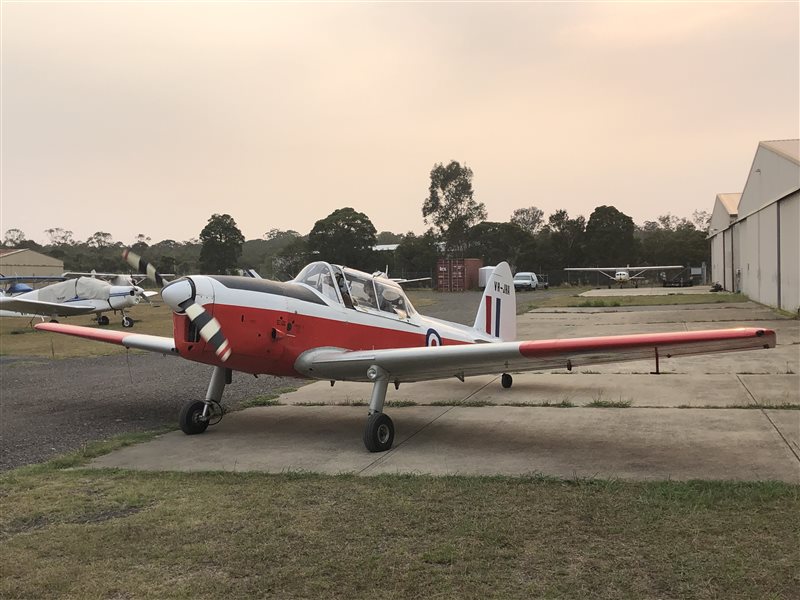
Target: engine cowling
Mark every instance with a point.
(123, 296)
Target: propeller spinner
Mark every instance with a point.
(180, 295)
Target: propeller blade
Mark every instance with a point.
(209, 328)
(142, 266)
(180, 297)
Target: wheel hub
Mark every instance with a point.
(383, 433)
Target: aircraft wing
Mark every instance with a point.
(662, 267)
(138, 341)
(37, 307)
(32, 278)
(595, 269)
(437, 362)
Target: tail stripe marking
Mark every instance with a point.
(497, 319)
(489, 315)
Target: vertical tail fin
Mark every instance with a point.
(497, 313)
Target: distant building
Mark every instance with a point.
(755, 246)
(23, 262)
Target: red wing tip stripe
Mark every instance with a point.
(103, 335)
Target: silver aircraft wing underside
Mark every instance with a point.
(439, 362)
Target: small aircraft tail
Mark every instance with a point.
(497, 313)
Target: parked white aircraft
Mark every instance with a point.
(79, 296)
(622, 275)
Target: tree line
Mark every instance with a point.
(457, 228)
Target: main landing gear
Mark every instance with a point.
(506, 380)
(197, 415)
(127, 322)
(379, 430)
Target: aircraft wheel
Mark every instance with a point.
(506, 380)
(191, 417)
(127, 322)
(54, 320)
(379, 432)
(102, 320)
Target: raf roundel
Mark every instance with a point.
(432, 338)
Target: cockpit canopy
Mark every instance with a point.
(357, 290)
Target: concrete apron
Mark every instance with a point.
(629, 443)
(667, 432)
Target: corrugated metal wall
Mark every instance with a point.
(790, 253)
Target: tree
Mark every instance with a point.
(670, 240)
(530, 219)
(100, 239)
(701, 219)
(450, 207)
(387, 237)
(416, 255)
(59, 236)
(496, 242)
(13, 238)
(345, 237)
(277, 234)
(291, 259)
(221, 244)
(609, 237)
(564, 240)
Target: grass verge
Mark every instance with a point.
(86, 533)
(617, 301)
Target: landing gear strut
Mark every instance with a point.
(197, 415)
(379, 430)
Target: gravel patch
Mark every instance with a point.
(50, 407)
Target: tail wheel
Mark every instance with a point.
(191, 418)
(379, 432)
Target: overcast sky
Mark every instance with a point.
(147, 118)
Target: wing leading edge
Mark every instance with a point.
(437, 362)
(38, 307)
(137, 341)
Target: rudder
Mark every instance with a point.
(497, 313)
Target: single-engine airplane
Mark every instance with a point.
(623, 275)
(79, 296)
(335, 323)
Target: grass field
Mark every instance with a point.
(71, 532)
(18, 338)
(78, 533)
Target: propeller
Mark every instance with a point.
(180, 296)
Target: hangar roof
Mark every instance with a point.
(730, 202)
(7, 251)
(788, 149)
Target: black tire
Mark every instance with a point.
(102, 320)
(190, 418)
(378, 433)
(506, 380)
(127, 322)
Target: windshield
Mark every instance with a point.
(319, 276)
(378, 294)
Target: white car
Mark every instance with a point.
(525, 280)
